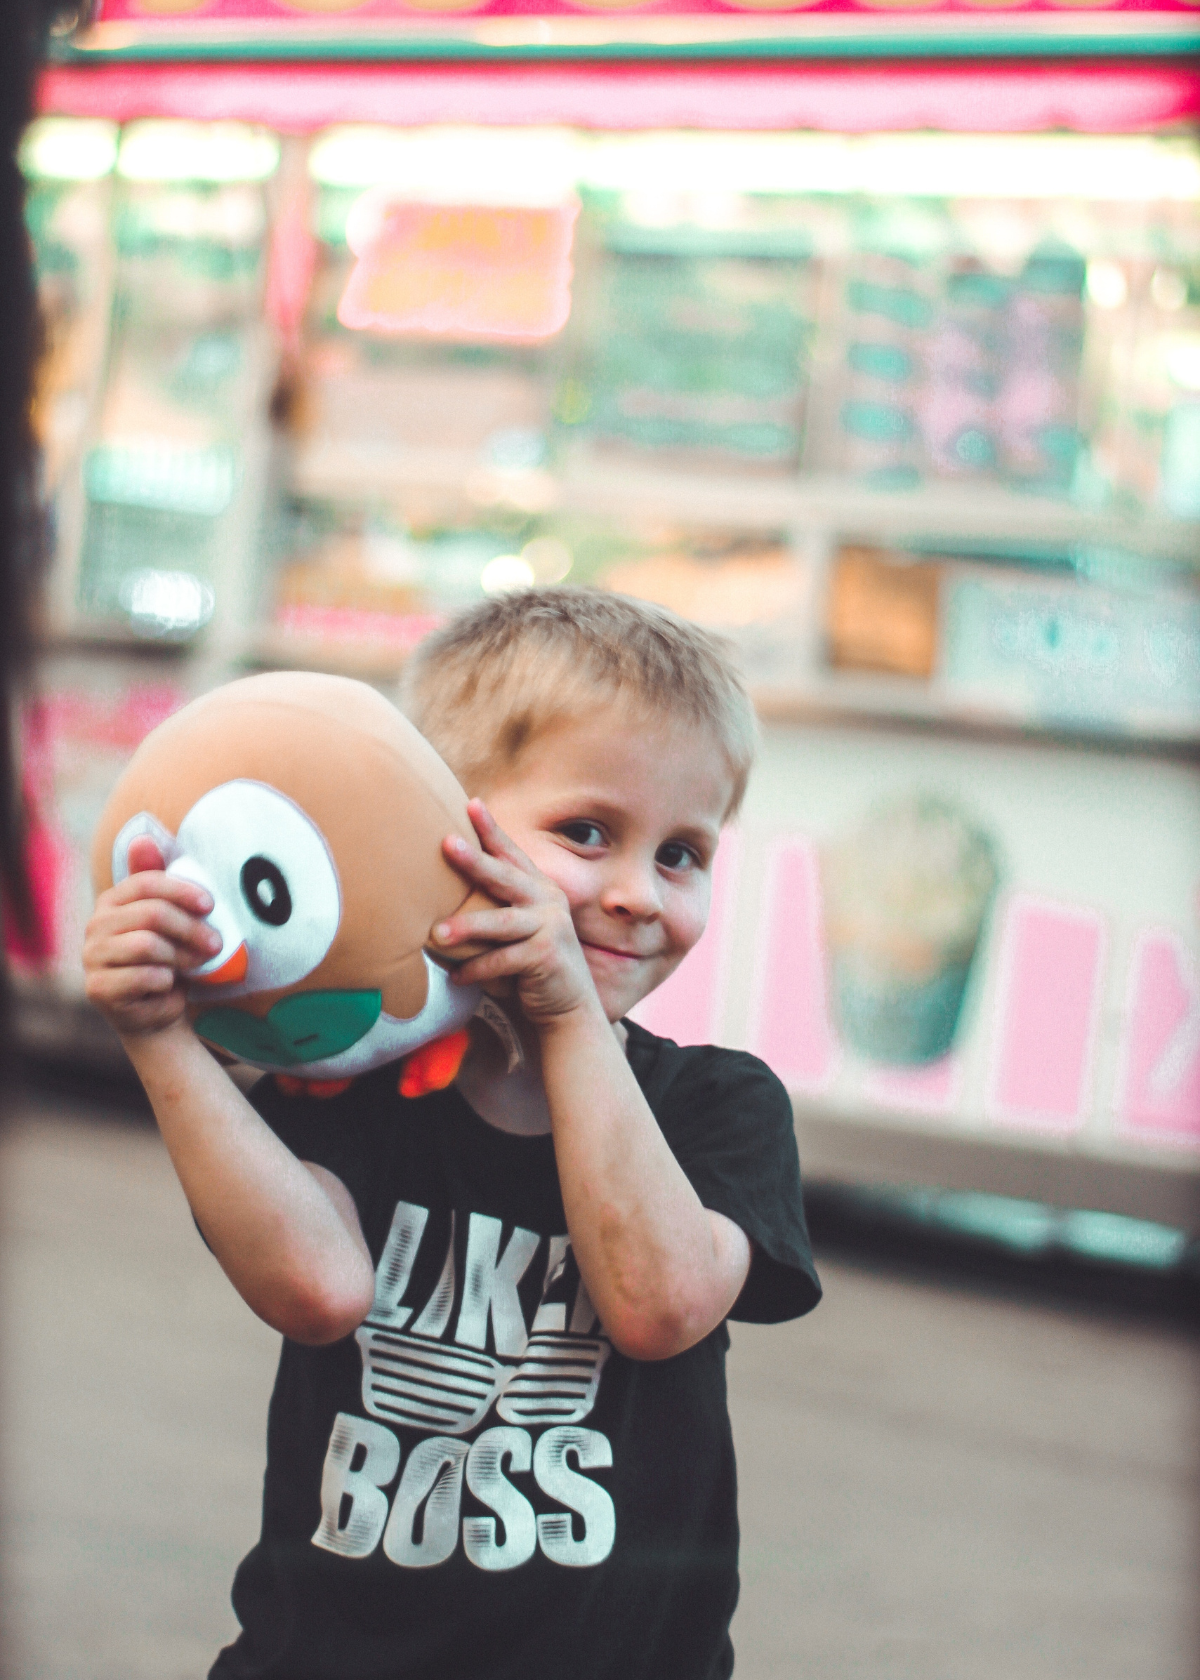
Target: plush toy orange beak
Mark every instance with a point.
(230, 971)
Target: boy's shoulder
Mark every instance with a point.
(664, 1068)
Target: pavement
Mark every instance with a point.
(941, 1478)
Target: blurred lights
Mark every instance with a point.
(1140, 168)
(540, 167)
(192, 151)
(506, 573)
(1106, 285)
(1028, 1228)
(68, 149)
(529, 168)
(549, 559)
(1181, 353)
(168, 604)
(1168, 290)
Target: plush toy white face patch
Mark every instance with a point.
(277, 901)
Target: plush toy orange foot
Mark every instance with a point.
(434, 1065)
(293, 1087)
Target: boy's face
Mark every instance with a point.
(625, 819)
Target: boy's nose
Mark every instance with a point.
(632, 891)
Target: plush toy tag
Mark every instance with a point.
(504, 1030)
(307, 1027)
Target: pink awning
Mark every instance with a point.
(993, 97)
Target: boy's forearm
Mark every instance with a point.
(276, 1230)
(661, 1270)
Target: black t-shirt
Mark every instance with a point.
(477, 1485)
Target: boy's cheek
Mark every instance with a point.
(688, 918)
(570, 874)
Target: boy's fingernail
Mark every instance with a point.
(442, 932)
(205, 903)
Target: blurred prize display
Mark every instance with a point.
(911, 418)
(906, 893)
(159, 525)
(79, 731)
(667, 355)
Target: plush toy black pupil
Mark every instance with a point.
(266, 891)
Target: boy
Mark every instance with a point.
(498, 1444)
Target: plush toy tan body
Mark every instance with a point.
(313, 812)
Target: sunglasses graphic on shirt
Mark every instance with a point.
(424, 1384)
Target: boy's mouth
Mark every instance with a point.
(612, 951)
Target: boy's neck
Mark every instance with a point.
(510, 1101)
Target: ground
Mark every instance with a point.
(941, 1478)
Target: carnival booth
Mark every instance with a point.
(868, 335)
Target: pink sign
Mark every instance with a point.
(459, 271)
(687, 1007)
(1051, 965)
(790, 1027)
(1158, 1086)
(931, 1089)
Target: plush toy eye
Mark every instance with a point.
(270, 871)
(266, 891)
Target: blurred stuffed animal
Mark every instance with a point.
(313, 812)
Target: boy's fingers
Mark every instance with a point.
(161, 916)
(506, 961)
(496, 875)
(493, 838)
(133, 950)
(144, 854)
(501, 926)
(124, 986)
(156, 883)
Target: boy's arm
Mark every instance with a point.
(285, 1233)
(661, 1269)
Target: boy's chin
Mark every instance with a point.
(619, 994)
(617, 1001)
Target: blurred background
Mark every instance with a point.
(867, 334)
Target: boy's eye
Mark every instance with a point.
(675, 855)
(582, 833)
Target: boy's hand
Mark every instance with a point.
(144, 935)
(532, 936)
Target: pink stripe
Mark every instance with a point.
(1051, 963)
(687, 1007)
(284, 13)
(932, 1089)
(791, 1030)
(1113, 97)
(1158, 1086)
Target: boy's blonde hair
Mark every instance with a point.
(500, 674)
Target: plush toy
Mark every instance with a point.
(313, 812)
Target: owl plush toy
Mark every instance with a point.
(313, 813)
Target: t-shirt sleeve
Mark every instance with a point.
(313, 1128)
(729, 1123)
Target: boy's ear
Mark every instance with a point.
(449, 956)
(139, 826)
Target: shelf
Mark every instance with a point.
(969, 513)
(1162, 1185)
(906, 703)
(605, 486)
